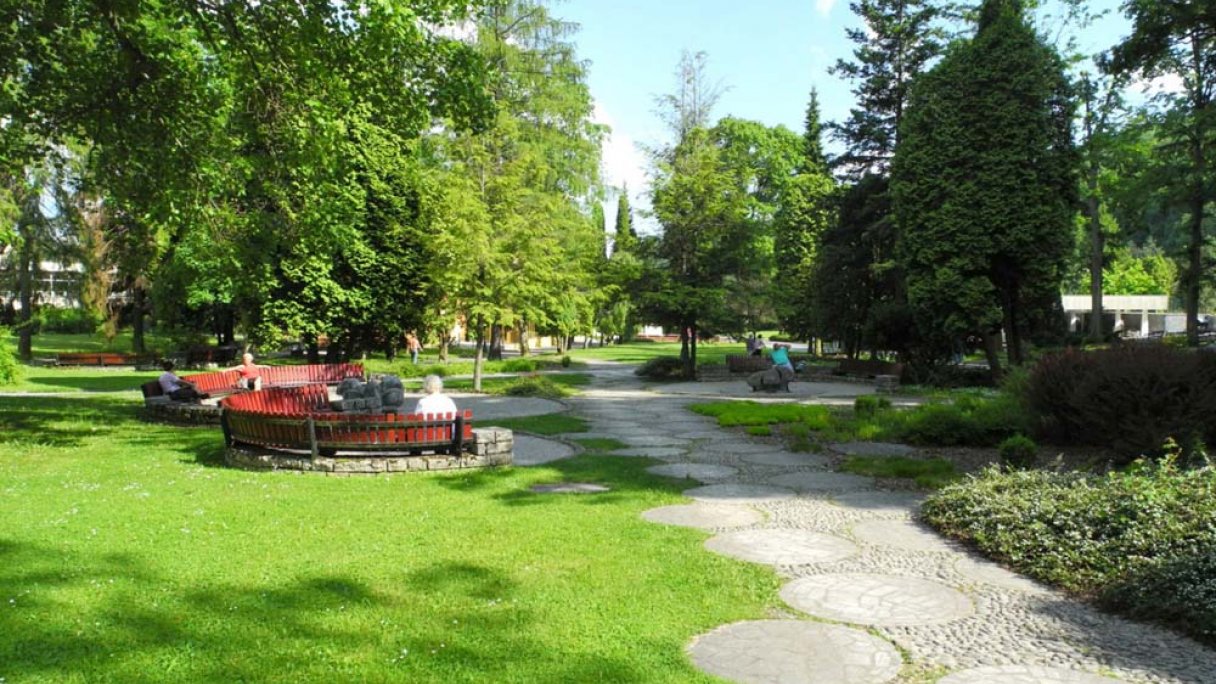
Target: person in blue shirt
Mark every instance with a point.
(781, 356)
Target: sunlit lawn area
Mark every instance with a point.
(49, 344)
(128, 555)
(640, 352)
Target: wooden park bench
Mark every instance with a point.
(297, 418)
(220, 383)
(101, 359)
(742, 363)
(868, 368)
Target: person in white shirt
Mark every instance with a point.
(176, 388)
(433, 401)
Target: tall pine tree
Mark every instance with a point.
(898, 42)
(625, 240)
(985, 186)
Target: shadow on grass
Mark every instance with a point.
(625, 476)
(61, 421)
(116, 381)
(139, 626)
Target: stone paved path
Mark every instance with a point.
(853, 555)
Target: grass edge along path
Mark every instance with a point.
(128, 555)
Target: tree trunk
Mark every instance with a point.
(1013, 339)
(693, 351)
(1097, 244)
(443, 348)
(314, 349)
(495, 342)
(25, 293)
(478, 358)
(1194, 276)
(992, 350)
(138, 343)
(524, 350)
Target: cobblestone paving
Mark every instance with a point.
(989, 626)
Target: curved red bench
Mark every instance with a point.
(225, 382)
(299, 418)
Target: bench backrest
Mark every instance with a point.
(152, 389)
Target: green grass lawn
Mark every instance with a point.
(48, 344)
(128, 555)
(548, 424)
(733, 413)
(641, 352)
(931, 473)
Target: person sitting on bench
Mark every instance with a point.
(251, 374)
(175, 388)
(434, 402)
(780, 356)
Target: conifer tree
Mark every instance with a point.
(625, 239)
(985, 187)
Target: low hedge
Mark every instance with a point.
(1142, 541)
(10, 369)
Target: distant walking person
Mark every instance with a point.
(414, 347)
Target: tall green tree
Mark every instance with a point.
(1178, 38)
(897, 43)
(807, 210)
(625, 239)
(985, 186)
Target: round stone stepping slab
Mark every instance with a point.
(991, 573)
(650, 452)
(872, 449)
(902, 534)
(794, 652)
(701, 472)
(569, 488)
(1023, 674)
(782, 546)
(822, 482)
(705, 516)
(739, 493)
(880, 502)
(530, 451)
(877, 600)
(785, 458)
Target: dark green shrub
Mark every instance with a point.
(566, 361)
(1139, 540)
(662, 368)
(535, 386)
(1130, 398)
(1019, 452)
(71, 321)
(968, 421)
(10, 369)
(868, 405)
(519, 366)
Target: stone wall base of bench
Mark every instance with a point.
(491, 447)
(181, 413)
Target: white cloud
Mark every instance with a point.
(623, 164)
(824, 6)
(1167, 83)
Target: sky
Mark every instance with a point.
(767, 54)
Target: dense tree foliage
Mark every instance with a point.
(985, 187)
